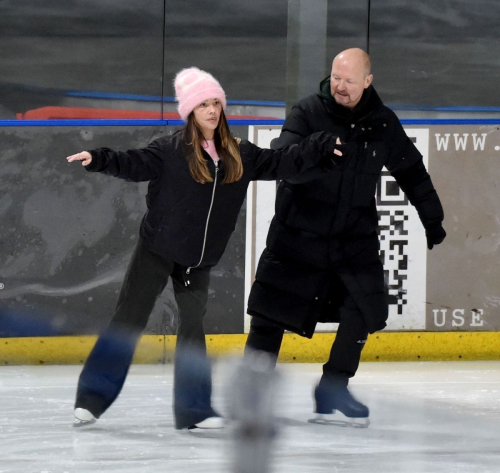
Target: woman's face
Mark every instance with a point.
(207, 116)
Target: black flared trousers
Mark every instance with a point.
(346, 349)
(107, 366)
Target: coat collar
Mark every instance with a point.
(370, 102)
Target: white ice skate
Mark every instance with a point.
(210, 423)
(83, 418)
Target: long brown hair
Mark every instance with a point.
(227, 148)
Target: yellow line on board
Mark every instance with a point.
(152, 349)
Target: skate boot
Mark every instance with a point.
(209, 423)
(83, 418)
(336, 406)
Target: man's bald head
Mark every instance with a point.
(355, 56)
(351, 75)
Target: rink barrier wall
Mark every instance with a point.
(159, 349)
(385, 346)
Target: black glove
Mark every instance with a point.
(334, 160)
(435, 234)
(347, 150)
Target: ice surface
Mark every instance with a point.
(425, 418)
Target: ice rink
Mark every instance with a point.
(425, 418)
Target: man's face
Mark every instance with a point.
(348, 81)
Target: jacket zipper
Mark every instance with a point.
(188, 270)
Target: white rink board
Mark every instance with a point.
(402, 238)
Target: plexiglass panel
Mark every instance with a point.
(347, 27)
(115, 58)
(436, 53)
(242, 43)
(79, 54)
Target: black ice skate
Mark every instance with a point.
(336, 406)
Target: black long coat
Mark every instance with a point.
(188, 222)
(322, 239)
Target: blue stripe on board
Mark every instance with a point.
(262, 103)
(256, 103)
(108, 122)
(156, 98)
(240, 122)
(131, 122)
(113, 96)
(445, 109)
(451, 121)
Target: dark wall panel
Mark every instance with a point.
(436, 53)
(108, 46)
(428, 53)
(67, 236)
(347, 27)
(241, 42)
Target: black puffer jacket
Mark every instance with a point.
(190, 222)
(324, 230)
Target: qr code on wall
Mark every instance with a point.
(403, 248)
(392, 205)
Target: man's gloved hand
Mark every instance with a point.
(435, 235)
(335, 152)
(342, 152)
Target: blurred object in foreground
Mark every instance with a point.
(27, 324)
(252, 402)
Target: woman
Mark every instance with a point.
(198, 180)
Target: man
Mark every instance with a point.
(321, 263)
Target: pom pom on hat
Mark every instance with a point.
(193, 86)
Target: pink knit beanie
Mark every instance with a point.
(193, 86)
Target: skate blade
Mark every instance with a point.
(340, 420)
(206, 433)
(83, 424)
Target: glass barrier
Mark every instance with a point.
(80, 59)
(439, 54)
(117, 59)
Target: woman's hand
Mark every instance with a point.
(85, 157)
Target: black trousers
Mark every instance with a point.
(107, 366)
(346, 349)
